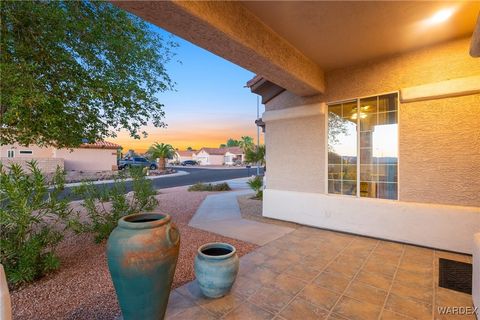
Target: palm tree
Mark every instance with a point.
(246, 143)
(161, 151)
(256, 155)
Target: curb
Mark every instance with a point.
(178, 173)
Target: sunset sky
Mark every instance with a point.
(209, 106)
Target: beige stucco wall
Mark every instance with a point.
(37, 152)
(209, 159)
(88, 159)
(295, 154)
(442, 62)
(46, 165)
(439, 139)
(48, 158)
(216, 160)
(440, 151)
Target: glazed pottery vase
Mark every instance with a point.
(5, 301)
(216, 267)
(142, 254)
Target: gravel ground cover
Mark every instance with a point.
(252, 209)
(82, 288)
(79, 176)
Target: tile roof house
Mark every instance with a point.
(97, 156)
(101, 145)
(182, 155)
(219, 156)
(233, 155)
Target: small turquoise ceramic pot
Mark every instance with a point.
(216, 267)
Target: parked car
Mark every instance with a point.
(136, 162)
(189, 163)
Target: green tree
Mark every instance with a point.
(256, 155)
(337, 126)
(161, 151)
(189, 148)
(246, 143)
(74, 70)
(233, 143)
(223, 145)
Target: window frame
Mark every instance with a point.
(357, 99)
(12, 151)
(25, 152)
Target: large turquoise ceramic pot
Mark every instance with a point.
(142, 254)
(216, 267)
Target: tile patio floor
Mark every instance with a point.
(318, 274)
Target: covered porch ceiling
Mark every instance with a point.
(293, 43)
(336, 34)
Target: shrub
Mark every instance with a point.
(32, 221)
(209, 187)
(256, 185)
(105, 206)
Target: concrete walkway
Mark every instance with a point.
(220, 213)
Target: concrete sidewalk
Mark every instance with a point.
(220, 213)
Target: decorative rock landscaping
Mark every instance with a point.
(82, 288)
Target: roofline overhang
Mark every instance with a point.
(230, 30)
(264, 88)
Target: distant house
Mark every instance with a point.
(219, 156)
(210, 156)
(233, 155)
(98, 156)
(182, 155)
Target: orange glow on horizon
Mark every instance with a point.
(182, 139)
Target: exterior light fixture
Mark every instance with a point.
(363, 115)
(439, 17)
(355, 116)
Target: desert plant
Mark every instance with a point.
(161, 151)
(105, 206)
(209, 187)
(32, 221)
(256, 184)
(143, 191)
(255, 155)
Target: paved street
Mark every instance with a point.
(195, 175)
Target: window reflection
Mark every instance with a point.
(342, 149)
(379, 148)
(377, 119)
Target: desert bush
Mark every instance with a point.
(32, 221)
(106, 205)
(255, 155)
(256, 184)
(209, 187)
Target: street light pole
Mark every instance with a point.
(258, 131)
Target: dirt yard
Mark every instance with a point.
(82, 288)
